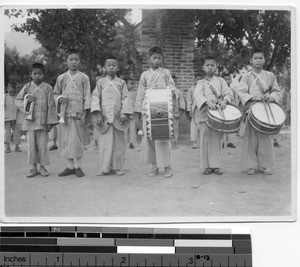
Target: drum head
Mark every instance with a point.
(272, 114)
(230, 113)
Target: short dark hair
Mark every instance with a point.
(12, 84)
(155, 50)
(254, 51)
(209, 57)
(127, 79)
(226, 74)
(72, 51)
(110, 57)
(38, 65)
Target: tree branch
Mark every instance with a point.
(248, 29)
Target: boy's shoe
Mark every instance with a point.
(79, 172)
(18, 149)
(32, 173)
(119, 172)
(131, 146)
(53, 148)
(7, 150)
(175, 146)
(265, 171)
(194, 146)
(153, 172)
(66, 172)
(43, 172)
(218, 171)
(102, 173)
(251, 171)
(231, 145)
(168, 172)
(207, 171)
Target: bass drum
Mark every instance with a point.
(159, 117)
(267, 118)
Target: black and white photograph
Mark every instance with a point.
(148, 114)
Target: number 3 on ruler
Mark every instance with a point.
(191, 260)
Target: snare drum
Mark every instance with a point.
(225, 121)
(267, 118)
(159, 117)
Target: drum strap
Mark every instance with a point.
(213, 88)
(156, 77)
(260, 83)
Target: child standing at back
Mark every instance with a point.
(211, 93)
(42, 120)
(156, 153)
(256, 85)
(11, 126)
(111, 108)
(194, 129)
(179, 107)
(72, 89)
(130, 132)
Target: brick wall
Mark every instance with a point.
(176, 30)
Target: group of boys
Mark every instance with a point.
(112, 107)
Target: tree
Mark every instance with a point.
(94, 32)
(241, 30)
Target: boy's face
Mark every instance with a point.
(257, 60)
(37, 76)
(111, 67)
(210, 67)
(130, 85)
(73, 61)
(227, 79)
(12, 91)
(155, 60)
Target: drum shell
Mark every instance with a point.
(159, 122)
(264, 127)
(159, 117)
(220, 125)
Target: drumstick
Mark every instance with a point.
(221, 112)
(268, 103)
(266, 110)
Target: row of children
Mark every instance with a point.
(111, 108)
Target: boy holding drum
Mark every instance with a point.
(257, 85)
(157, 152)
(211, 93)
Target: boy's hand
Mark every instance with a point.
(191, 114)
(256, 98)
(271, 99)
(223, 104)
(211, 104)
(31, 98)
(63, 100)
(123, 118)
(139, 115)
(83, 117)
(49, 127)
(97, 119)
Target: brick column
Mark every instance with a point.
(178, 42)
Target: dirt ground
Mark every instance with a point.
(188, 193)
